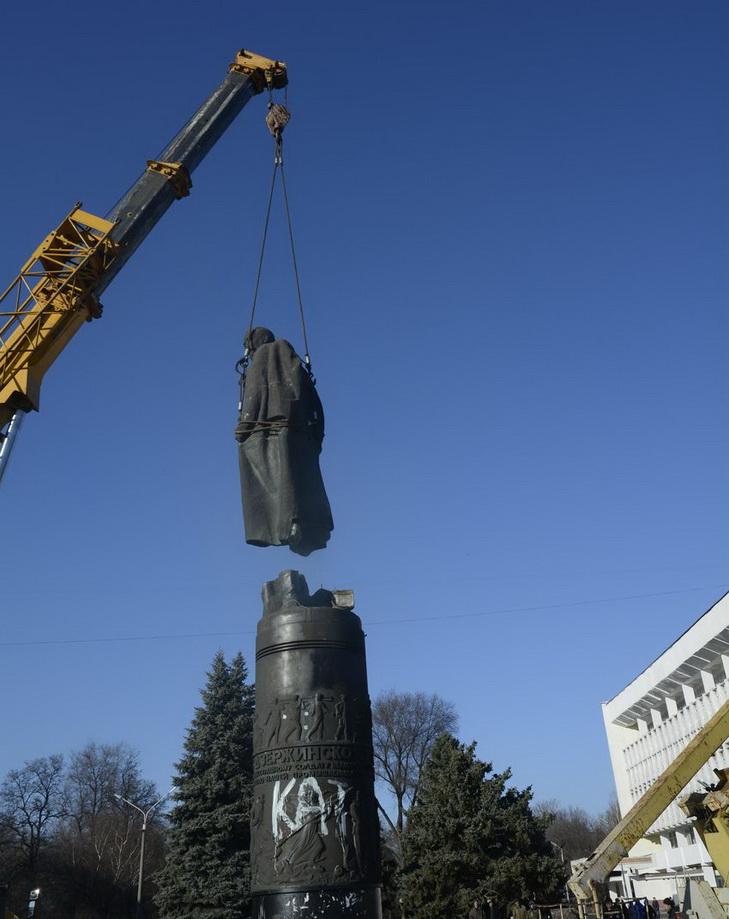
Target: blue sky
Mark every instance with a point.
(511, 224)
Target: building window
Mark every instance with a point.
(672, 839)
(690, 836)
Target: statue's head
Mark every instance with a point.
(257, 337)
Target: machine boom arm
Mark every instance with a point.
(58, 289)
(649, 808)
(167, 179)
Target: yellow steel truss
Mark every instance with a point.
(46, 304)
(711, 810)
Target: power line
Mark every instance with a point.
(531, 609)
(473, 615)
(207, 587)
(87, 641)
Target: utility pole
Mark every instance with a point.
(145, 816)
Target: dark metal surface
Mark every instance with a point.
(280, 435)
(152, 194)
(314, 827)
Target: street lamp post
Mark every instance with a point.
(145, 815)
(561, 855)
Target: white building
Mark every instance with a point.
(648, 723)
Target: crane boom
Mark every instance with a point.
(58, 288)
(649, 808)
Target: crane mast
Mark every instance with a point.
(58, 288)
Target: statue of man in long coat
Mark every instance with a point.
(279, 436)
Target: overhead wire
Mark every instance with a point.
(403, 620)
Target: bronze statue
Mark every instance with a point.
(280, 434)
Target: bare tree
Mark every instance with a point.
(574, 832)
(31, 803)
(404, 727)
(611, 816)
(63, 828)
(99, 843)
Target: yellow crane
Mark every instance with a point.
(711, 812)
(58, 289)
(587, 879)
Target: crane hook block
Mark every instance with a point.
(265, 73)
(277, 118)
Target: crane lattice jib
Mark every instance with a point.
(52, 296)
(58, 289)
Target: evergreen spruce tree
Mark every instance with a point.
(469, 837)
(207, 872)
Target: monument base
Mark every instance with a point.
(315, 850)
(329, 903)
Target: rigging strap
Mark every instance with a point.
(276, 119)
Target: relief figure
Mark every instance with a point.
(299, 840)
(340, 713)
